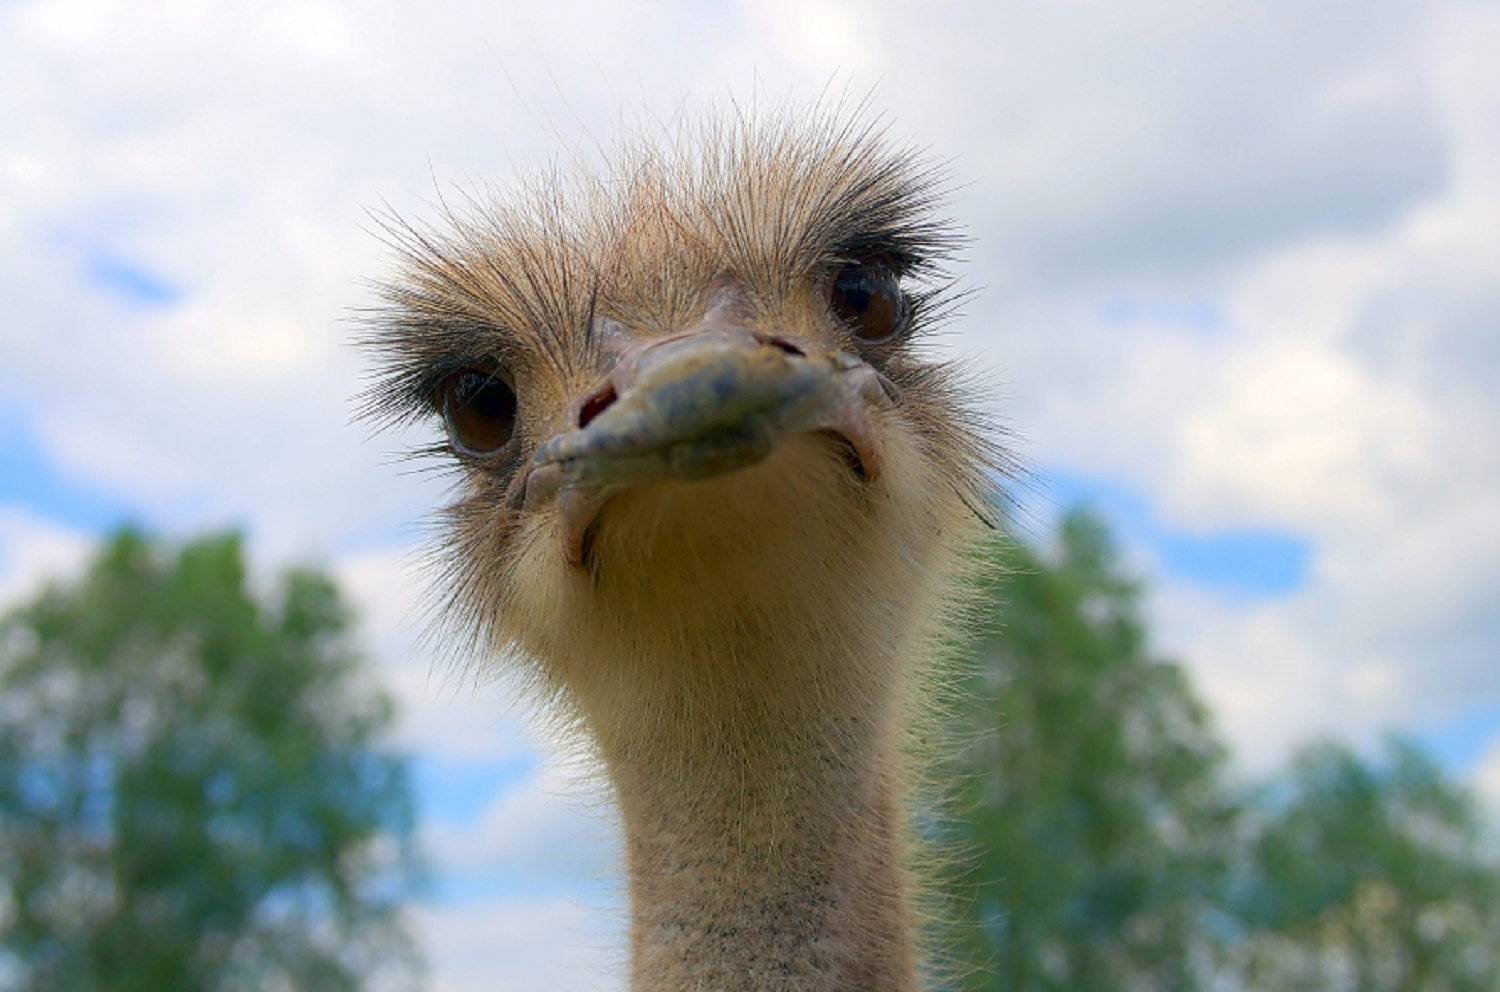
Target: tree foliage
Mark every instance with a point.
(1375, 877)
(1112, 851)
(1093, 792)
(191, 792)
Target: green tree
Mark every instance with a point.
(1371, 877)
(1092, 793)
(192, 796)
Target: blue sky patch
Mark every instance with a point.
(458, 792)
(29, 478)
(474, 888)
(1200, 315)
(1258, 562)
(1241, 562)
(130, 281)
(1460, 744)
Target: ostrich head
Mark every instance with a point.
(712, 499)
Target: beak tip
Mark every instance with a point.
(704, 407)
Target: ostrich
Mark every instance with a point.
(713, 504)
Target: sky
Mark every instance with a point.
(1237, 284)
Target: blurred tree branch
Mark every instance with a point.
(1112, 852)
(192, 793)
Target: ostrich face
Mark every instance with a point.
(687, 397)
(717, 396)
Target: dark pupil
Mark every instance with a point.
(480, 410)
(867, 297)
(856, 292)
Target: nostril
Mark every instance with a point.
(595, 405)
(784, 345)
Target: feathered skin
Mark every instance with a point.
(714, 501)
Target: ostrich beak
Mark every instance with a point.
(699, 405)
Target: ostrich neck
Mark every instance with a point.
(763, 821)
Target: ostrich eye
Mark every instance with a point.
(867, 297)
(479, 409)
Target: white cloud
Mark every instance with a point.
(1348, 392)
(448, 709)
(320, 30)
(556, 944)
(820, 38)
(1147, 139)
(1487, 779)
(548, 829)
(33, 550)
